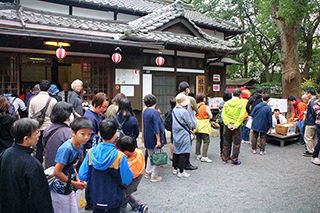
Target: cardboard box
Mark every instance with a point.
(286, 128)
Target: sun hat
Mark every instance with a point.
(53, 89)
(182, 99)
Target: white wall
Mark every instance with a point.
(45, 6)
(77, 11)
(126, 18)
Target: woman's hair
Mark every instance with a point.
(22, 128)
(116, 99)
(173, 102)
(60, 112)
(80, 123)
(265, 97)
(4, 105)
(107, 129)
(126, 143)
(99, 98)
(150, 100)
(200, 97)
(75, 82)
(125, 108)
(227, 95)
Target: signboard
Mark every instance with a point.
(216, 87)
(214, 103)
(216, 77)
(127, 90)
(200, 84)
(280, 104)
(128, 76)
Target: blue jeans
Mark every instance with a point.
(317, 148)
(300, 125)
(245, 132)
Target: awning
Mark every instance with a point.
(217, 61)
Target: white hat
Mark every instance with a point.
(182, 99)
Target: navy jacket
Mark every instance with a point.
(95, 119)
(253, 102)
(262, 118)
(130, 127)
(23, 184)
(311, 115)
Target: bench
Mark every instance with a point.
(283, 138)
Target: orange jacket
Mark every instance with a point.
(137, 163)
(202, 111)
(301, 107)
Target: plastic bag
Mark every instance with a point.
(82, 200)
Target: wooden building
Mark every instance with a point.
(142, 29)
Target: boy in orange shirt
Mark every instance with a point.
(136, 162)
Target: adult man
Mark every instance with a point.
(254, 100)
(233, 114)
(310, 135)
(37, 103)
(64, 94)
(298, 113)
(316, 107)
(192, 108)
(23, 185)
(277, 118)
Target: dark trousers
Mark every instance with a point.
(206, 140)
(221, 137)
(231, 139)
(317, 148)
(40, 148)
(179, 161)
(116, 210)
(263, 140)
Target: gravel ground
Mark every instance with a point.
(281, 181)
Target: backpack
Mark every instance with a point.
(168, 120)
(120, 132)
(192, 114)
(12, 109)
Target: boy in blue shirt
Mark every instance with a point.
(106, 169)
(68, 154)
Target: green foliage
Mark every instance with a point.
(274, 89)
(309, 84)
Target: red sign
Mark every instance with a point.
(216, 87)
(61, 53)
(116, 57)
(159, 61)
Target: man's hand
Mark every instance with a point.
(79, 184)
(158, 144)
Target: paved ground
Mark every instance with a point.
(281, 181)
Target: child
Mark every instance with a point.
(62, 190)
(106, 169)
(136, 161)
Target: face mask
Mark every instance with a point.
(71, 118)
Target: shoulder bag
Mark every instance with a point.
(40, 116)
(188, 130)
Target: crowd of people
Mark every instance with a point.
(96, 149)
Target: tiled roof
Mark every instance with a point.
(148, 6)
(142, 29)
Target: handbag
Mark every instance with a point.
(158, 158)
(49, 175)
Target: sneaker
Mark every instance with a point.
(307, 154)
(315, 161)
(198, 157)
(224, 162)
(143, 208)
(206, 159)
(155, 179)
(247, 142)
(183, 174)
(147, 175)
(262, 153)
(175, 171)
(254, 151)
(236, 163)
(191, 167)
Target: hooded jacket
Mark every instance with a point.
(262, 118)
(234, 112)
(253, 101)
(299, 107)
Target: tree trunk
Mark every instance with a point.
(291, 79)
(309, 52)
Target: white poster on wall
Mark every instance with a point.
(214, 103)
(128, 76)
(216, 87)
(127, 90)
(280, 104)
(216, 77)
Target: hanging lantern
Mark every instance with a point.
(61, 53)
(116, 57)
(159, 61)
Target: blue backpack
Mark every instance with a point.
(12, 109)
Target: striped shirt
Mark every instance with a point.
(316, 108)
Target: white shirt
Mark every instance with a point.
(282, 119)
(18, 104)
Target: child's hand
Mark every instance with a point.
(79, 184)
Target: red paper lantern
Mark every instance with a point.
(116, 57)
(159, 61)
(61, 53)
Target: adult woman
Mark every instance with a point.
(100, 103)
(125, 117)
(75, 97)
(181, 127)
(203, 130)
(58, 132)
(152, 125)
(6, 121)
(114, 107)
